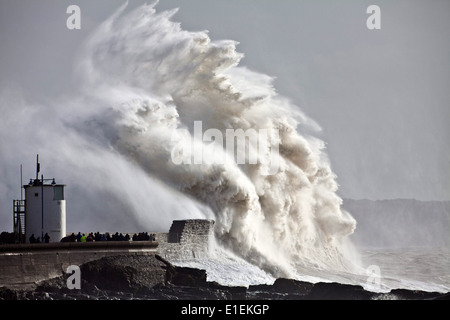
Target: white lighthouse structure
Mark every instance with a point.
(45, 208)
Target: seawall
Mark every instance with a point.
(24, 265)
(186, 240)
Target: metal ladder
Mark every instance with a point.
(19, 220)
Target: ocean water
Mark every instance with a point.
(381, 270)
(417, 268)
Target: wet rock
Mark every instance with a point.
(182, 276)
(292, 286)
(233, 292)
(124, 273)
(338, 291)
(8, 294)
(405, 294)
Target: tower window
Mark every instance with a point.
(58, 193)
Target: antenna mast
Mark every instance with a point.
(38, 167)
(21, 183)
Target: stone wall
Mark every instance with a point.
(25, 265)
(187, 239)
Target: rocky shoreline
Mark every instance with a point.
(133, 277)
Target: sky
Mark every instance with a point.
(380, 96)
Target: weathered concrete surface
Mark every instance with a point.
(24, 265)
(187, 239)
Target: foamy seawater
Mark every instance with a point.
(425, 269)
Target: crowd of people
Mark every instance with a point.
(97, 236)
(33, 239)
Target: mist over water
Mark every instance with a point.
(143, 82)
